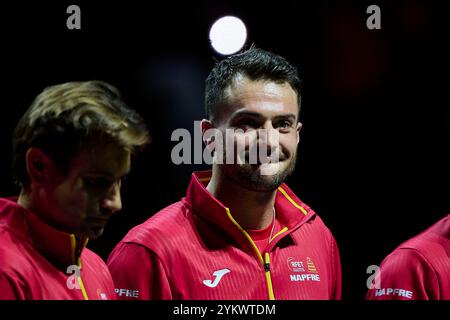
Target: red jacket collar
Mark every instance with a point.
(291, 212)
(60, 248)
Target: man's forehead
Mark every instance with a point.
(262, 107)
(242, 82)
(260, 96)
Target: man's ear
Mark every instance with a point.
(40, 167)
(205, 125)
(299, 128)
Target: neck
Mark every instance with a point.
(251, 209)
(25, 200)
(31, 201)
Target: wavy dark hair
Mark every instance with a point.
(256, 64)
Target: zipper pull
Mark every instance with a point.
(266, 262)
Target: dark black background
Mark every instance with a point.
(374, 147)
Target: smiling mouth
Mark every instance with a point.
(268, 161)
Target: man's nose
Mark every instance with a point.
(269, 136)
(112, 201)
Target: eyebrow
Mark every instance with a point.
(244, 113)
(106, 174)
(289, 116)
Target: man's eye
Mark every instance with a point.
(98, 182)
(285, 124)
(246, 124)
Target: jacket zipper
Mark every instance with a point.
(80, 280)
(268, 276)
(265, 262)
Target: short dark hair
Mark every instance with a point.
(64, 117)
(256, 64)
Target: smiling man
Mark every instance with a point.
(240, 232)
(71, 149)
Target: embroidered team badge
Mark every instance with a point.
(300, 273)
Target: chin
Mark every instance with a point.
(265, 177)
(94, 233)
(253, 179)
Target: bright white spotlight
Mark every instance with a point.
(228, 35)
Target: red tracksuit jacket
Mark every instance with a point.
(194, 249)
(34, 260)
(419, 269)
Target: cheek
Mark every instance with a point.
(289, 143)
(72, 198)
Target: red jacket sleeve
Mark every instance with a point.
(336, 284)
(8, 289)
(138, 273)
(404, 275)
